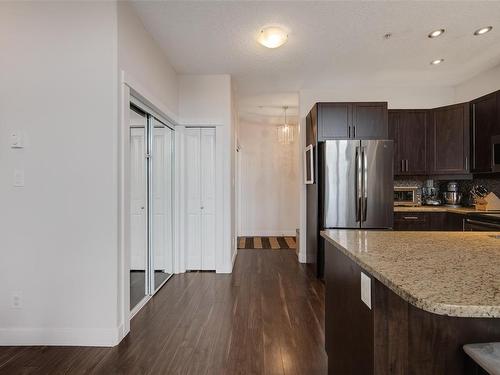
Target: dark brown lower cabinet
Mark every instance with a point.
(428, 221)
(393, 337)
(411, 221)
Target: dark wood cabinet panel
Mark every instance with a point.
(369, 120)
(393, 133)
(449, 140)
(412, 221)
(437, 221)
(413, 145)
(485, 122)
(334, 120)
(348, 120)
(348, 321)
(454, 222)
(408, 129)
(432, 221)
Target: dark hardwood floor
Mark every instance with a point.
(265, 318)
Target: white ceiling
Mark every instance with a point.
(330, 43)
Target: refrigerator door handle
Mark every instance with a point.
(365, 182)
(358, 184)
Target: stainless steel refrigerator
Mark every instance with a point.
(356, 184)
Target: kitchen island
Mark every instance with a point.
(429, 293)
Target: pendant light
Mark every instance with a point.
(285, 131)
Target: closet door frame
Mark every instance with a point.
(152, 119)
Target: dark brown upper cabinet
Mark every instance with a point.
(408, 129)
(449, 140)
(369, 120)
(334, 120)
(352, 120)
(485, 122)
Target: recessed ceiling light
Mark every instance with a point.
(436, 62)
(483, 30)
(272, 37)
(436, 33)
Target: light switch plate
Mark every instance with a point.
(18, 178)
(17, 139)
(366, 290)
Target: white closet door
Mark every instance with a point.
(207, 179)
(138, 200)
(193, 199)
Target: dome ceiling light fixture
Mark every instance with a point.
(272, 37)
(436, 33)
(285, 131)
(437, 61)
(483, 30)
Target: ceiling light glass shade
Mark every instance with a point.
(436, 62)
(436, 33)
(483, 30)
(272, 37)
(285, 134)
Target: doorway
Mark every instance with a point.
(151, 206)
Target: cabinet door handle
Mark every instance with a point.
(474, 136)
(349, 132)
(354, 131)
(410, 217)
(406, 165)
(466, 163)
(402, 165)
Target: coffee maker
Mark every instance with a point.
(452, 196)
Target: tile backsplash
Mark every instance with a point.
(491, 183)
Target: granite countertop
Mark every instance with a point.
(457, 210)
(446, 273)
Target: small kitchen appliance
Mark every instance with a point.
(430, 194)
(406, 196)
(452, 196)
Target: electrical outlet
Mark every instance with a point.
(366, 290)
(17, 300)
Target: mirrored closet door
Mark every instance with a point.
(151, 209)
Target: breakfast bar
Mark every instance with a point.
(407, 302)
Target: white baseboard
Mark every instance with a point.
(269, 233)
(60, 337)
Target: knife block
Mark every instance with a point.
(488, 203)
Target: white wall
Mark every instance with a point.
(142, 59)
(148, 74)
(59, 232)
(206, 100)
(477, 86)
(269, 201)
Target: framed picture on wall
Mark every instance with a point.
(309, 165)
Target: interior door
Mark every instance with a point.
(378, 183)
(192, 138)
(138, 209)
(207, 189)
(200, 195)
